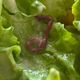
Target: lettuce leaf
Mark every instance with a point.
(9, 55)
(25, 27)
(76, 23)
(0, 6)
(10, 6)
(60, 59)
(30, 7)
(57, 8)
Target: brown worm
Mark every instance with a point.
(37, 44)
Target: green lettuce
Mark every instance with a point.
(10, 6)
(57, 8)
(76, 23)
(30, 7)
(58, 61)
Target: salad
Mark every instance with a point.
(39, 39)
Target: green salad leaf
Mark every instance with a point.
(57, 8)
(22, 21)
(76, 23)
(0, 6)
(10, 6)
(30, 7)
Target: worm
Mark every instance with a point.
(36, 44)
